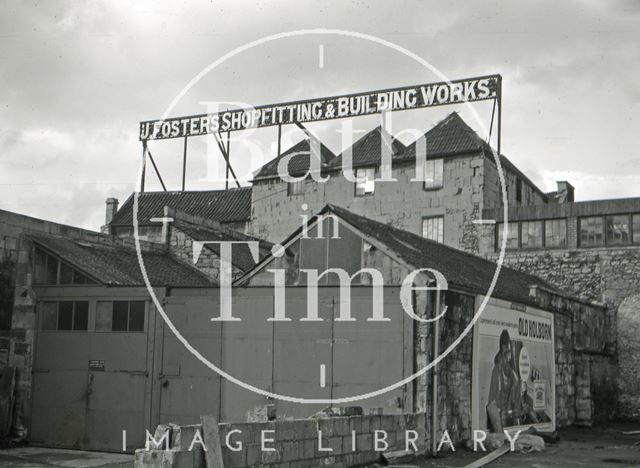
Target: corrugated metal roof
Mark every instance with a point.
(115, 265)
(225, 206)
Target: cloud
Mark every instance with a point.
(77, 77)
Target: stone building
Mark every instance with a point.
(84, 324)
(585, 253)
(461, 179)
(55, 275)
(592, 249)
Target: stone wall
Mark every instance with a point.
(529, 194)
(402, 204)
(454, 372)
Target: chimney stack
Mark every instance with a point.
(565, 192)
(112, 208)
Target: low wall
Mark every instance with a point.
(295, 442)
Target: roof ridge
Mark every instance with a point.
(434, 243)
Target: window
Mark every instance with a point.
(120, 316)
(555, 233)
(512, 236)
(64, 316)
(591, 231)
(636, 228)
(618, 229)
(49, 270)
(433, 228)
(295, 188)
(531, 234)
(365, 184)
(519, 190)
(433, 174)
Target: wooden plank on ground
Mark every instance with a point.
(488, 458)
(211, 437)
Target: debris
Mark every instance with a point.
(629, 432)
(397, 456)
(488, 458)
(527, 443)
(211, 437)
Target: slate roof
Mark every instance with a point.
(461, 269)
(225, 206)
(450, 136)
(298, 164)
(366, 151)
(115, 265)
(241, 255)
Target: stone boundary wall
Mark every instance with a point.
(296, 442)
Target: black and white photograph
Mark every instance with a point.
(319, 233)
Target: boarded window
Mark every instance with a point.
(104, 311)
(512, 235)
(49, 318)
(433, 228)
(555, 233)
(531, 234)
(618, 231)
(591, 231)
(433, 174)
(365, 184)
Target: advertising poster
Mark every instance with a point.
(513, 383)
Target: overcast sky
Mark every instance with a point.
(77, 77)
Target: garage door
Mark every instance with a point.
(91, 380)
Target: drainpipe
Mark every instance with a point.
(434, 384)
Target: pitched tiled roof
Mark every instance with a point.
(241, 255)
(461, 269)
(225, 206)
(367, 150)
(298, 164)
(115, 265)
(450, 136)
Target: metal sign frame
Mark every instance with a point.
(482, 88)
